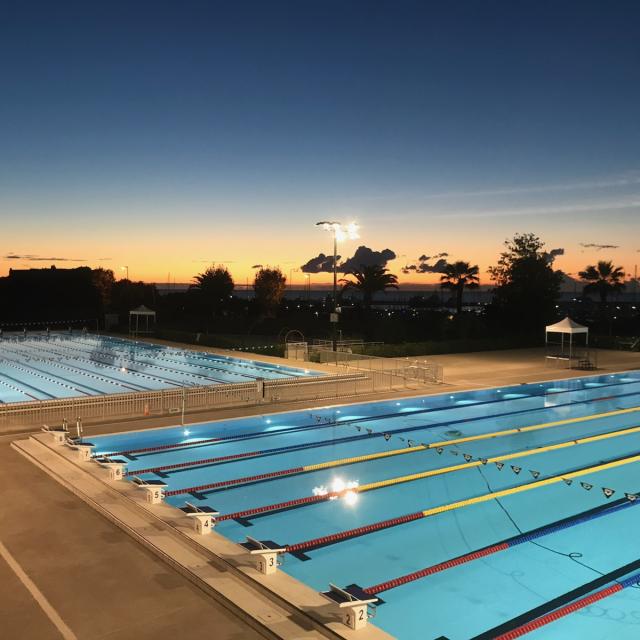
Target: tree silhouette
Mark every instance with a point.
(215, 286)
(527, 285)
(269, 287)
(103, 280)
(457, 277)
(370, 280)
(603, 279)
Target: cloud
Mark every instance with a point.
(363, 257)
(319, 264)
(553, 254)
(424, 264)
(598, 247)
(624, 180)
(29, 257)
(425, 258)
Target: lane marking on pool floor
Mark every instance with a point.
(334, 538)
(372, 486)
(225, 439)
(37, 595)
(565, 604)
(385, 454)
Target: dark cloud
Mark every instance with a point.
(256, 266)
(363, 257)
(425, 264)
(437, 256)
(598, 247)
(438, 266)
(319, 264)
(34, 258)
(553, 254)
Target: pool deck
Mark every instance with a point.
(61, 556)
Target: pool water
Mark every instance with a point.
(465, 601)
(43, 367)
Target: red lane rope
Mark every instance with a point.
(161, 447)
(559, 613)
(351, 533)
(194, 463)
(436, 568)
(280, 505)
(235, 481)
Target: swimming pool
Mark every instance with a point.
(453, 486)
(42, 367)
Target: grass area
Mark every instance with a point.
(432, 347)
(263, 345)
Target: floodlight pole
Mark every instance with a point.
(333, 228)
(334, 318)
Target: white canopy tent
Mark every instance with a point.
(134, 320)
(566, 327)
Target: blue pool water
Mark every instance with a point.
(41, 367)
(465, 601)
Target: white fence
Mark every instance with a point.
(17, 416)
(401, 371)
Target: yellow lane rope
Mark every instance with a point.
(526, 487)
(446, 443)
(509, 456)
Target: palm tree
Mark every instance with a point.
(603, 278)
(457, 277)
(369, 280)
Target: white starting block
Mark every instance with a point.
(116, 467)
(203, 517)
(83, 449)
(266, 552)
(154, 488)
(59, 434)
(353, 602)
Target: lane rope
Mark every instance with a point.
(433, 511)
(380, 484)
(395, 452)
(529, 536)
(240, 437)
(563, 604)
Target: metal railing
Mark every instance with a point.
(178, 402)
(401, 371)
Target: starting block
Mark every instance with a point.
(204, 517)
(267, 553)
(59, 434)
(353, 602)
(116, 467)
(154, 488)
(83, 449)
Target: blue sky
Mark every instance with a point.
(165, 135)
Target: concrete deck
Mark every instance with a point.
(100, 582)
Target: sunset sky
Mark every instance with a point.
(169, 135)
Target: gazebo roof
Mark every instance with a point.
(567, 326)
(142, 311)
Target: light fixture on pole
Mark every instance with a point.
(125, 268)
(340, 233)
